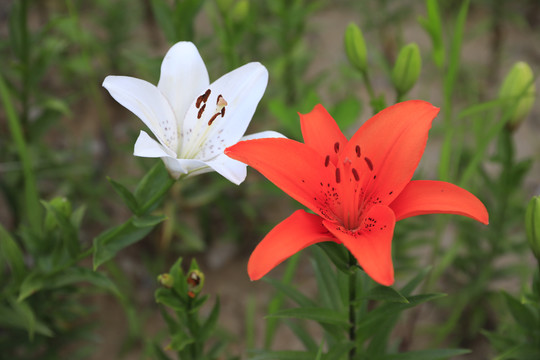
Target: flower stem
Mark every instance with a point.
(352, 306)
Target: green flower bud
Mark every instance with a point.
(532, 225)
(407, 68)
(61, 206)
(166, 280)
(240, 11)
(355, 47)
(518, 90)
(195, 280)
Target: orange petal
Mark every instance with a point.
(294, 167)
(293, 234)
(321, 132)
(391, 144)
(421, 197)
(371, 245)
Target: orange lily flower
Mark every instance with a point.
(357, 188)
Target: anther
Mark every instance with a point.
(338, 176)
(336, 147)
(357, 148)
(222, 111)
(369, 163)
(206, 95)
(327, 160)
(355, 174)
(199, 101)
(213, 118)
(201, 110)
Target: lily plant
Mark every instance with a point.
(193, 120)
(357, 189)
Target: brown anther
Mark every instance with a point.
(369, 163)
(222, 111)
(206, 95)
(327, 160)
(338, 176)
(213, 118)
(336, 147)
(199, 101)
(355, 174)
(357, 149)
(221, 101)
(201, 110)
(191, 294)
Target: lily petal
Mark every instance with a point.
(321, 132)
(145, 146)
(372, 244)
(391, 144)
(188, 167)
(242, 89)
(421, 197)
(148, 103)
(300, 171)
(232, 170)
(183, 78)
(293, 234)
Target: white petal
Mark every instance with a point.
(183, 78)
(145, 146)
(148, 103)
(189, 167)
(233, 170)
(242, 89)
(262, 135)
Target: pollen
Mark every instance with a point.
(338, 176)
(358, 152)
(355, 174)
(336, 147)
(327, 160)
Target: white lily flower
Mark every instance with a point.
(193, 120)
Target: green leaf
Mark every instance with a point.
(426, 354)
(153, 187)
(337, 254)
(169, 299)
(284, 355)
(385, 293)
(302, 334)
(108, 243)
(10, 251)
(291, 292)
(21, 316)
(210, 324)
(337, 351)
(326, 280)
(320, 315)
(522, 313)
(126, 196)
(180, 340)
(37, 281)
(148, 220)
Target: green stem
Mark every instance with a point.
(31, 197)
(158, 195)
(369, 87)
(352, 306)
(25, 61)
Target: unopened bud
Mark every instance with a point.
(407, 68)
(355, 47)
(166, 280)
(61, 206)
(532, 225)
(518, 92)
(240, 11)
(195, 280)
